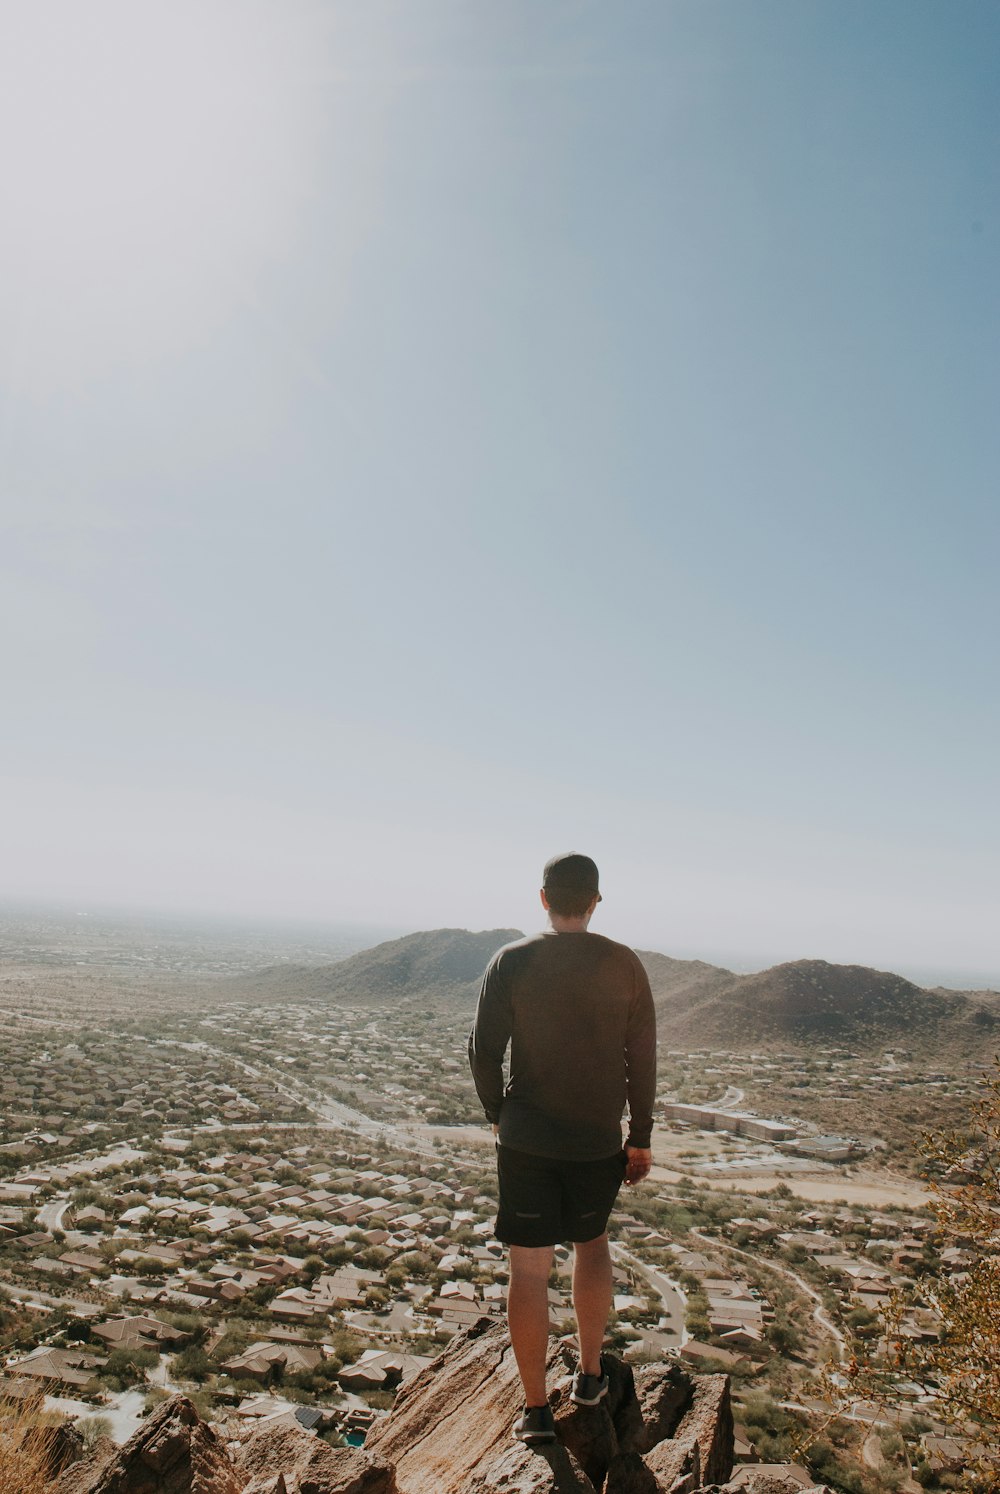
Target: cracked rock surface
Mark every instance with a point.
(662, 1432)
(659, 1431)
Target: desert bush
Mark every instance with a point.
(191, 1364)
(92, 1429)
(129, 1366)
(24, 1441)
(962, 1369)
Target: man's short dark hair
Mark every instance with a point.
(569, 902)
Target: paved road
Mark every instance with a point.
(333, 1112)
(123, 1410)
(820, 1313)
(673, 1299)
(41, 1021)
(50, 1215)
(730, 1099)
(80, 1307)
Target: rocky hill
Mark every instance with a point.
(811, 1001)
(441, 965)
(698, 1004)
(659, 1431)
(680, 980)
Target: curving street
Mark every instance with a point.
(821, 1316)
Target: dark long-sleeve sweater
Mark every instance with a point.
(577, 1012)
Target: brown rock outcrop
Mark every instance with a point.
(63, 1447)
(676, 1465)
(79, 1477)
(450, 1429)
(524, 1470)
(271, 1450)
(173, 1452)
(629, 1474)
(266, 1485)
(708, 1419)
(310, 1466)
(661, 1432)
(663, 1392)
(456, 1414)
(588, 1432)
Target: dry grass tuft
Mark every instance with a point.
(24, 1446)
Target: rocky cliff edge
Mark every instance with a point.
(660, 1430)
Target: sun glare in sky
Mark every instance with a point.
(436, 435)
(155, 163)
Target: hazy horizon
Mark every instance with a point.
(435, 437)
(359, 936)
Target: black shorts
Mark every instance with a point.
(545, 1201)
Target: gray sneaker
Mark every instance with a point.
(535, 1425)
(589, 1389)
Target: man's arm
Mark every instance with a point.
(488, 1040)
(640, 1060)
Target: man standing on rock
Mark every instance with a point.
(577, 1012)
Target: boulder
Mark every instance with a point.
(63, 1447)
(663, 1392)
(275, 1449)
(79, 1477)
(621, 1396)
(450, 1429)
(596, 1434)
(456, 1415)
(549, 1469)
(344, 1470)
(708, 1420)
(624, 1406)
(587, 1431)
(173, 1452)
(660, 1432)
(676, 1465)
(628, 1474)
(311, 1466)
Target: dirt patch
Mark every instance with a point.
(476, 1135)
(874, 1192)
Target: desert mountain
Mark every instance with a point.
(810, 1001)
(444, 965)
(677, 979)
(698, 1005)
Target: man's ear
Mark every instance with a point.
(545, 901)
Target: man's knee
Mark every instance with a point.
(530, 1261)
(593, 1249)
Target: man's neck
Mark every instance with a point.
(560, 925)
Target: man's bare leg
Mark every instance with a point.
(528, 1317)
(591, 1299)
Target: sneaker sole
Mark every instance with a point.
(578, 1400)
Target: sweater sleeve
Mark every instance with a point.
(489, 1038)
(640, 1058)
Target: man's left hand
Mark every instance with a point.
(638, 1161)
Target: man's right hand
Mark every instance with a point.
(638, 1161)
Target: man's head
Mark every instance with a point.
(570, 885)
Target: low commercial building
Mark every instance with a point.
(825, 1148)
(708, 1118)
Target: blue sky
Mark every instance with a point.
(434, 435)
